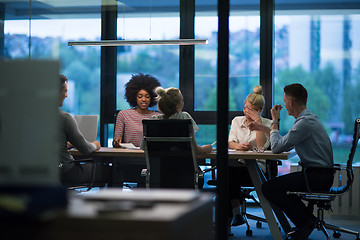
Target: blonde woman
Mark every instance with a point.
(170, 104)
(242, 138)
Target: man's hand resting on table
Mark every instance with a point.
(97, 143)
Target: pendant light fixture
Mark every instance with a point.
(112, 43)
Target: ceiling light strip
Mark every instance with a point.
(112, 43)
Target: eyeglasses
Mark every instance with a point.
(250, 109)
(258, 150)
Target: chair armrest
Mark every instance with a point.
(78, 161)
(81, 160)
(339, 166)
(209, 169)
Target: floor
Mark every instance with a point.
(349, 222)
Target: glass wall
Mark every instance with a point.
(244, 59)
(159, 61)
(47, 39)
(206, 27)
(320, 49)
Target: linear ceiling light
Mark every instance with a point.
(112, 43)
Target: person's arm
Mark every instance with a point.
(260, 136)
(275, 114)
(198, 149)
(239, 146)
(118, 131)
(77, 139)
(254, 126)
(298, 133)
(233, 141)
(202, 149)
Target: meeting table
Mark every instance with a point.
(106, 154)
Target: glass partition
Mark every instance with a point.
(320, 49)
(46, 37)
(244, 59)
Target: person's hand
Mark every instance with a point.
(206, 148)
(275, 112)
(245, 146)
(116, 142)
(98, 146)
(254, 115)
(241, 146)
(69, 145)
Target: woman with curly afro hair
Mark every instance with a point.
(139, 93)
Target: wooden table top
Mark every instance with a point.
(122, 152)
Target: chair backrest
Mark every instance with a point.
(349, 168)
(115, 117)
(170, 153)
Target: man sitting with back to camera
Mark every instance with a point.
(312, 144)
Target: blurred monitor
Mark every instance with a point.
(29, 98)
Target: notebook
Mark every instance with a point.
(88, 126)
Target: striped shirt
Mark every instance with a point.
(129, 126)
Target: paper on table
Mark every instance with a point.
(159, 195)
(128, 146)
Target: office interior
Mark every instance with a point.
(272, 43)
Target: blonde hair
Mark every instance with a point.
(256, 98)
(168, 100)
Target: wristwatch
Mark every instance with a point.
(275, 121)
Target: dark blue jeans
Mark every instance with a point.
(275, 191)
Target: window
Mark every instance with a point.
(321, 51)
(160, 61)
(244, 59)
(49, 41)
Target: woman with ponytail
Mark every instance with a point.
(170, 104)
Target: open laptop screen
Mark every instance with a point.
(88, 126)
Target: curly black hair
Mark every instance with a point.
(138, 82)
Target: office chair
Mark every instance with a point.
(170, 154)
(323, 199)
(98, 177)
(246, 191)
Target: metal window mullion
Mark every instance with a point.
(108, 71)
(266, 53)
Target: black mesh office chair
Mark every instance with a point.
(98, 177)
(323, 199)
(170, 154)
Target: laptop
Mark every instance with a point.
(88, 126)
